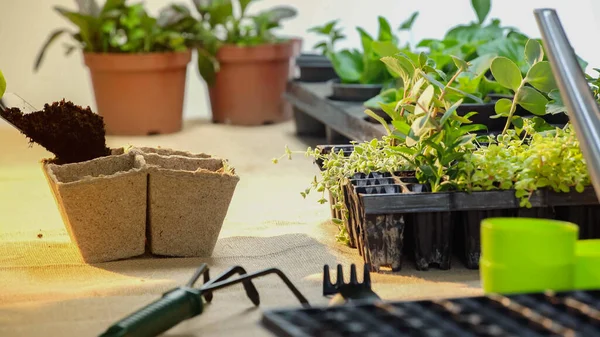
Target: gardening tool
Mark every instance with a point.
(10, 100)
(583, 109)
(186, 302)
(347, 292)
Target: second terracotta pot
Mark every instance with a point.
(250, 84)
(139, 94)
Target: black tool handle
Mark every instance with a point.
(174, 307)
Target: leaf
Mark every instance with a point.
(88, 26)
(111, 5)
(425, 100)
(460, 63)
(401, 126)
(88, 7)
(533, 52)
(220, 11)
(517, 122)
(399, 66)
(555, 105)
(540, 125)
(450, 111)
(384, 48)
(385, 31)
(53, 36)
(408, 23)
(207, 66)
(378, 118)
(472, 127)
(510, 48)
(506, 73)
(366, 40)
(532, 100)
(346, 66)
(482, 9)
(540, 76)
(2, 85)
(243, 5)
(277, 14)
(503, 106)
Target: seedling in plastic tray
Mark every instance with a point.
(186, 302)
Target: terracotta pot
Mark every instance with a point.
(188, 198)
(139, 94)
(103, 204)
(250, 84)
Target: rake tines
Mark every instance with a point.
(340, 286)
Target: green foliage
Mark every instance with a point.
(220, 25)
(530, 92)
(120, 28)
(482, 8)
(330, 33)
(549, 159)
(2, 85)
(365, 66)
(408, 23)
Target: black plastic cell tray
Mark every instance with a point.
(526, 315)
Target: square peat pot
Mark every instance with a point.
(188, 199)
(103, 204)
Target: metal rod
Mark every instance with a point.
(581, 105)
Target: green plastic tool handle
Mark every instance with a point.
(173, 308)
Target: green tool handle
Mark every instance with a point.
(173, 308)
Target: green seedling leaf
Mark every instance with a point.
(517, 122)
(401, 126)
(207, 66)
(503, 106)
(220, 11)
(540, 77)
(424, 100)
(384, 48)
(555, 105)
(482, 9)
(450, 111)
(408, 23)
(346, 66)
(244, 4)
(533, 52)
(398, 66)
(366, 40)
(472, 128)
(532, 100)
(87, 25)
(382, 121)
(385, 31)
(2, 85)
(507, 73)
(460, 63)
(540, 125)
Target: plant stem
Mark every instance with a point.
(513, 107)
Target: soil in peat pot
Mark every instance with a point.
(73, 134)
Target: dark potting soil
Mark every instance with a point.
(73, 134)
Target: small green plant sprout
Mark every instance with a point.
(2, 85)
(529, 91)
(331, 33)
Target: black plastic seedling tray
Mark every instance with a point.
(386, 222)
(525, 315)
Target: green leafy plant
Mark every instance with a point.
(529, 90)
(364, 67)
(330, 33)
(2, 85)
(120, 28)
(222, 23)
(549, 159)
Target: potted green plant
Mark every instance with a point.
(137, 62)
(361, 73)
(245, 65)
(316, 67)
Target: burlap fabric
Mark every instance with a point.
(46, 290)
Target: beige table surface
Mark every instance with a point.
(45, 289)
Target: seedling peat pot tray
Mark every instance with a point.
(437, 225)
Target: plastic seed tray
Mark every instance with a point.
(526, 315)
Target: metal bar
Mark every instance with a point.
(582, 108)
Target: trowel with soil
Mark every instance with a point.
(73, 134)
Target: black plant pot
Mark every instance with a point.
(315, 68)
(354, 92)
(484, 112)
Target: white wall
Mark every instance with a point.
(25, 24)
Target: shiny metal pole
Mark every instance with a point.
(577, 96)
